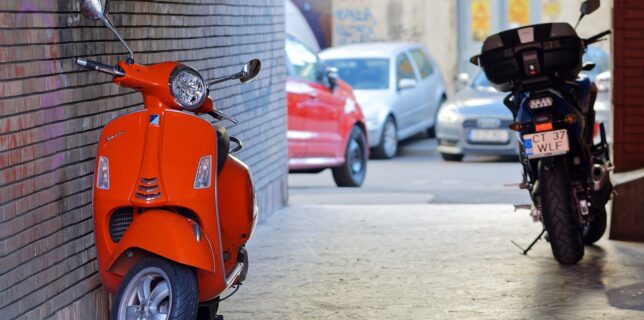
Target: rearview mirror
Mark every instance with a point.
(589, 6)
(94, 9)
(406, 84)
(332, 75)
(250, 70)
(475, 60)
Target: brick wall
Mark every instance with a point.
(627, 220)
(51, 114)
(628, 84)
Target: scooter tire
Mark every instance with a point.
(558, 215)
(183, 294)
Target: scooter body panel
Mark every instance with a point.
(153, 158)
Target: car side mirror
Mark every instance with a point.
(463, 79)
(588, 66)
(332, 75)
(475, 59)
(404, 84)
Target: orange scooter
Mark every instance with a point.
(171, 214)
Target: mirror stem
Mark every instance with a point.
(226, 78)
(109, 25)
(578, 21)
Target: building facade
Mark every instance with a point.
(52, 112)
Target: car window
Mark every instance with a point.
(302, 62)
(363, 73)
(404, 70)
(423, 64)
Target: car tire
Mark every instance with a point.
(452, 157)
(171, 288)
(354, 169)
(431, 131)
(388, 146)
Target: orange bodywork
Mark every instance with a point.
(153, 158)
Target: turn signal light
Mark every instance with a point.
(515, 126)
(570, 119)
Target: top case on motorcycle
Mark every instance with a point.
(556, 46)
(223, 145)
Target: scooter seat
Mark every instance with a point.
(223, 145)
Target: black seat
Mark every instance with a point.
(223, 145)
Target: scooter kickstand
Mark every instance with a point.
(525, 251)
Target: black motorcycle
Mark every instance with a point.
(566, 173)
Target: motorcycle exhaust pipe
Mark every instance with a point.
(600, 176)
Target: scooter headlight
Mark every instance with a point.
(103, 173)
(202, 178)
(187, 87)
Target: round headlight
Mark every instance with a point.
(187, 87)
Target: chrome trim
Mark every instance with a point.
(230, 280)
(148, 197)
(196, 230)
(148, 181)
(148, 189)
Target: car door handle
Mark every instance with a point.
(312, 95)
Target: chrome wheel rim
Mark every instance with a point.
(390, 138)
(148, 296)
(356, 157)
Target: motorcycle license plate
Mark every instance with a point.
(546, 144)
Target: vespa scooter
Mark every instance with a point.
(172, 208)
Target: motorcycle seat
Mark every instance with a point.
(223, 146)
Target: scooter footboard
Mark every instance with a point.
(168, 235)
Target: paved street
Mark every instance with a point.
(425, 239)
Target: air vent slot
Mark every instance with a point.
(148, 189)
(120, 220)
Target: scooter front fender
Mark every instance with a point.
(167, 235)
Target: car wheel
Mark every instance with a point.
(157, 289)
(388, 146)
(431, 131)
(455, 157)
(354, 169)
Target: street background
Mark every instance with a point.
(425, 239)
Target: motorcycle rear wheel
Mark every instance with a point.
(157, 289)
(558, 213)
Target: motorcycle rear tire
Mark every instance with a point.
(596, 228)
(558, 213)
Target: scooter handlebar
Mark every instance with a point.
(101, 67)
(596, 38)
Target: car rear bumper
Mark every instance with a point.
(453, 139)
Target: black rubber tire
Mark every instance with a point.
(558, 215)
(183, 287)
(431, 131)
(595, 229)
(345, 175)
(452, 157)
(380, 152)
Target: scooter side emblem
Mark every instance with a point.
(114, 136)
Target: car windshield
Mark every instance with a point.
(480, 82)
(363, 73)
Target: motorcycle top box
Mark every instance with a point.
(549, 49)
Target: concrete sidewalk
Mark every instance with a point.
(427, 262)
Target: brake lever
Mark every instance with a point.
(221, 116)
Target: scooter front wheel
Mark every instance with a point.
(157, 289)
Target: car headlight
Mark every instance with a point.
(447, 114)
(187, 87)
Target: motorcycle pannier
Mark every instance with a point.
(550, 49)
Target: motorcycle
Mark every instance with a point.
(566, 173)
(173, 209)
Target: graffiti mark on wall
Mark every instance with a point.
(354, 25)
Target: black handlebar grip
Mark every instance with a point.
(94, 65)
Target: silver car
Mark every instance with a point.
(475, 121)
(398, 85)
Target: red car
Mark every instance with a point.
(326, 127)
